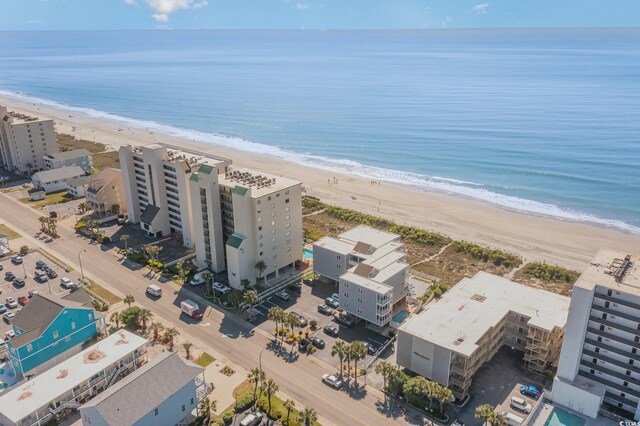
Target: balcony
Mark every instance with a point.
(610, 336)
(618, 301)
(607, 372)
(613, 349)
(613, 325)
(614, 313)
(610, 360)
(608, 383)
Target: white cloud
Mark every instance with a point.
(302, 6)
(164, 8)
(131, 2)
(160, 17)
(481, 8)
(201, 4)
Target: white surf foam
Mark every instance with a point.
(451, 186)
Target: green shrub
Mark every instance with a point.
(130, 316)
(419, 236)
(497, 257)
(546, 272)
(24, 249)
(244, 402)
(227, 418)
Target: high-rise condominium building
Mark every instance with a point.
(599, 366)
(245, 219)
(24, 140)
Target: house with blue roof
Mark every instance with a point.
(51, 328)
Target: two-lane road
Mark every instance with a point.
(299, 379)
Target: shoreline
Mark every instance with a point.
(535, 238)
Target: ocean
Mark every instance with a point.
(544, 121)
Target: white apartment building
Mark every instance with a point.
(599, 368)
(24, 140)
(370, 268)
(77, 157)
(455, 335)
(242, 217)
(156, 186)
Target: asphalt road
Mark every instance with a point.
(299, 379)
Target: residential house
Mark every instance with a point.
(105, 193)
(55, 180)
(77, 157)
(76, 187)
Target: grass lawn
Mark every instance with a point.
(102, 292)
(55, 260)
(106, 159)
(204, 360)
(10, 233)
(50, 199)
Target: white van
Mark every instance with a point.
(197, 279)
(513, 420)
(251, 419)
(520, 404)
(154, 290)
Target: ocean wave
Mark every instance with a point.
(463, 188)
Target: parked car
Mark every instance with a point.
(51, 273)
(282, 295)
(325, 310)
(41, 276)
(304, 345)
(371, 349)
(317, 342)
(154, 290)
(41, 264)
(520, 404)
(344, 319)
(18, 282)
(8, 317)
(457, 422)
(332, 381)
(221, 288)
(336, 297)
(33, 293)
(9, 276)
(530, 391)
(330, 301)
(17, 260)
(9, 334)
(65, 282)
(303, 320)
(331, 330)
(295, 288)
(3, 309)
(197, 279)
(23, 300)
(1, 266)
(11, 302)
(73, 287)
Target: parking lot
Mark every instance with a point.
(495, 383)
(306, 304)
(28, 267)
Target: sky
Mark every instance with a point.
(314, 14)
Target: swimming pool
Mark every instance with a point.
(559, 417)
(308, 254)
(400, 316)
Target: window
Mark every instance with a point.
(191, 401)
(260, 228)
(29, 347)
(55, 334)
(261, 253)
(277, 195)
(87, 419)
(73, 325)
(258, 202)
(155, 411)
(183, 408)
(273, 223)
(269, 198)
(286, 201)
(68, 339)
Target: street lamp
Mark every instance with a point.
(80, 261)
(260, 359)
(75, 211)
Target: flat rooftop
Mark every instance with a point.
(613, 269)
(24, 118)
(368, 235)
(182, 156)
(30, 396)
(468, 310)
(259, 183)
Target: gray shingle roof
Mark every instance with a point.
(145, 389)
(42, 309)
(59, 174)
(149, 214)
(69, 155)
(235, 240)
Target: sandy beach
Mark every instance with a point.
(534, 238)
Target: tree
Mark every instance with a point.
(339, 349)
(261, 267)
(208, 277)
(44, 221)
(52, 223)
(384, 368)
(275, 314)
(144, 316)
(115, 317)
(82, 207)
(308, 416)
(170, 334)
(416, 390)
(256, 376)
(250, 298)
(245, 283)
(187, 348)
(442, 394)
(129, 299)
(270, 388)
(485, 412)
(358, 352)
(205, 408)
(289, 405)
(156, 328)
(154, 252)
(125, 239)
(183, 271)
(131, 316)
(397, 379)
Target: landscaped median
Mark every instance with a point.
(10, 233)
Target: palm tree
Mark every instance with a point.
(250, 298)
(261, 267)
(275, 314)
(125, 239)
(156, 328)
(443, 394)
(245, 283)
(289, 405)
(416, 389)
(207, 277)
(129, 299)
(308, 416)
(270, 388)
(485, 412)
(154, 252)
(82, 207)
(431, 391)
(53, 224)
(44, 221)
(256, 376)
(144, 316)
(497, 419)
(187, 348)
(358, 353)
(183, 271)
(396, 380)
(383, 368)
(115, 317)
(205, 408)
(339, 349)
(170, 334)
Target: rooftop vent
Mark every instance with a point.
(458, 341)
(478, 298)
(619, 267)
